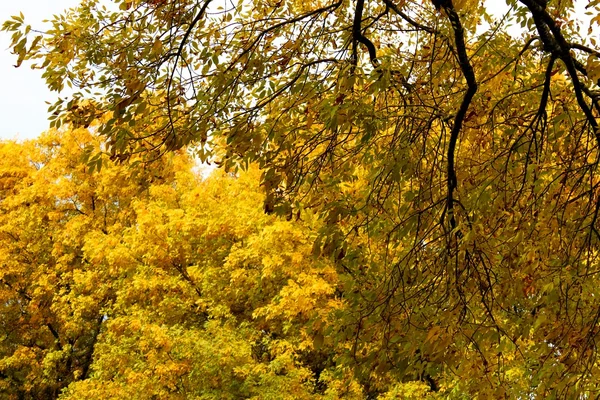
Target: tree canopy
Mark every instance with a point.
(162, 286)
(442, 162)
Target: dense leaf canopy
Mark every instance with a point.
(442, 162)
(129, 283)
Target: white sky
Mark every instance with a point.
(23, 93)
(23, 111)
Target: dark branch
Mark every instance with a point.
(358, 36)
(87, 363)
(555, 42)
(55, 334)
(178, 55)
(467, 71)
(408, 19)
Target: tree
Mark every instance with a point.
(453, 166)
(162, 286)
(114, 287)
(54, 301)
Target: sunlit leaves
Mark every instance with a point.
(130, 281)
(393, 265)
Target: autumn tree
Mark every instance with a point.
(127, 283)
(452, 164)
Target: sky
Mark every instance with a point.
(23, 94)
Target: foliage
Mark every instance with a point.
(438, 175)
(153, 287)
(124, 282)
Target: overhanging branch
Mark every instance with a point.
(358, 37)
(467, 71)
(555, 42)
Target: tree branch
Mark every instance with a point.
(554, 41)
(467, 71)
(358, 36)
(408, 19)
